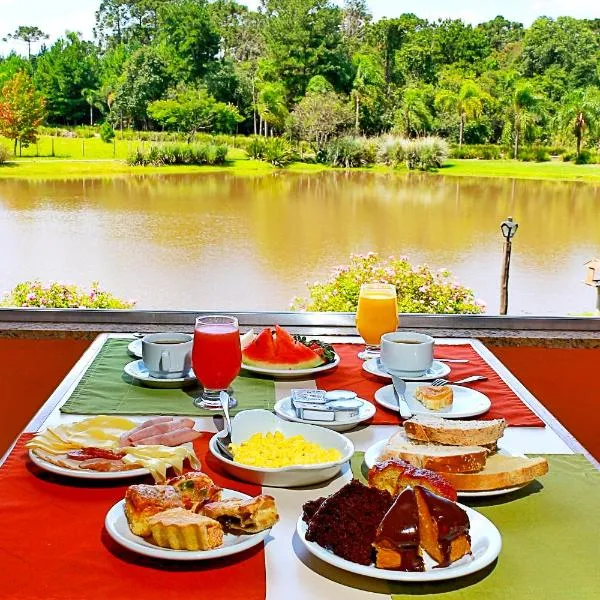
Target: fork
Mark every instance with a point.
(441, 381)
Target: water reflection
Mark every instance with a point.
(231, 242)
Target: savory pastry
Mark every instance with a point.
(434, 397)
(347, 521)
(181, 529)
(397, 541)
(443, 527)
(247, 516)
(394, 475)
(195, 489)
(143, 501)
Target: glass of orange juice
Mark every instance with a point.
(377, 314)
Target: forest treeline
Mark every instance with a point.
(311, 68)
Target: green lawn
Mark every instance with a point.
(75, 158)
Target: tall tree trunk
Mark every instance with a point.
(254, 104)
(516, 148)
(461, 131)
(579, 135)
(15, 150)
(91, 115)
(357, 120)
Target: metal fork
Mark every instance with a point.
(441, 381)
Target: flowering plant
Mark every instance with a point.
(419, 289)
(59, 295)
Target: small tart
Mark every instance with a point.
(434, 397)
(181, 529)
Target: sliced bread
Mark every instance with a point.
(426, 428)
(451, 459)
(500, 472)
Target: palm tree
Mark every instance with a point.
(580, 111)
(468, 102)
(413, 114)
(366, 81)
(271, 106)
(94, 99)
(523, 112)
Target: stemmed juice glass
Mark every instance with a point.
(377, 314)
(216, 357)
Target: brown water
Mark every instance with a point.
(220, 241)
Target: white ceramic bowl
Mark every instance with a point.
(250, 422)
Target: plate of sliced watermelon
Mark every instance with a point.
(277, 353)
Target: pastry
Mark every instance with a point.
(181, 529)
(434, 397)
(394, 475)
(246, 516)
(454, 432)
(195, 489)
(347, 521)
(143, 501)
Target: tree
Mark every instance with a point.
(126, 22)
(523, 112)
(193, 110)
(580, 112)
(318, 117)
(468, 103)
(368, 83)
(21, 110)
(501, 31)
(11, 65)
(28, 34)
(272, 107)
(413, 116)
(356, 18)
(94, 99)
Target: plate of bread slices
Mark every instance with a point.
(468, 455)
(416, 535)
(189, 518)
(449, 401)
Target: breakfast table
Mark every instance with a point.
(55, 546)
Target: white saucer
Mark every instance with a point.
(486, 544)
(135, 348)
(138, 371)
(466, 403)
(284, 409)
(438, 369)
(118, 529)
(373, 452)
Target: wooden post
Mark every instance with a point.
(504, 277)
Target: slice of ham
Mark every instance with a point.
(166, 431)
(170, 438)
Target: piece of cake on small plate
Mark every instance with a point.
(143, 501)
(181, 529)
(245, 516)
(435, 397)
(195, 489)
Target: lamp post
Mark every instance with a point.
(508, 229)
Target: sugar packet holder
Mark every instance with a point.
(333, 406)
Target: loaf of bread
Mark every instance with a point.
(500, 472)
(454, 432)
(451, 459)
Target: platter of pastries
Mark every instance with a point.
(413, 535)
(468, 455)
(189, 518)
(448, 401)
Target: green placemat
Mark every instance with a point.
(106, 389)
(550, 533)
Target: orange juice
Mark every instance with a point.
(377, 312)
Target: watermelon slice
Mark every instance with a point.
(280, 352)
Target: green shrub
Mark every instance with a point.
(4, 154)
(278, 152)
(419, 289)
(480, 151)
(348, 152)
(256, 148)
(107, 133)
(179, 154)
(60, 295)
(584, 158)
(421, 153)
(535, 154)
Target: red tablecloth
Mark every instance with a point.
(505, 403)
(54, 545)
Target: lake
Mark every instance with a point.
(222, 241)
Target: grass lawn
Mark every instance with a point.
(77, 158)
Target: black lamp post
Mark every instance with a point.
(508, 229)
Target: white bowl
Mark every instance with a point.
(250, 422)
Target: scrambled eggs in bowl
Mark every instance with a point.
(270, 451)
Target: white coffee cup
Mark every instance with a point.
(167, 355)
(407, 354)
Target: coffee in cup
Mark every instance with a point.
(407, 354)
(167, 355)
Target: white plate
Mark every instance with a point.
(466, 403)
(486, 544)
(292, 372)
(135, 348)
(438, 369)
(373, 452)
(137, 370)
(84, 473)
(284, 409)
(118, 529)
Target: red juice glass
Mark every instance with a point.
(216, 357)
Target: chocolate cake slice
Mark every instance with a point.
(347, 521)
(397, 541)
